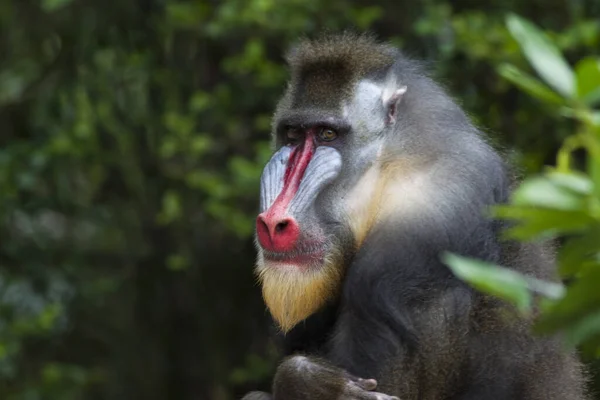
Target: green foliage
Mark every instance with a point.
(501, 282)
(588, 80)
(543, 55)
(52, 5)
(529, 84)
(133, 141)
(562, 202)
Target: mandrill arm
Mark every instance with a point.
(300, 377)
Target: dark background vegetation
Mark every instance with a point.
(132, 135)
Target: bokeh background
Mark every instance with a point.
(132, 135)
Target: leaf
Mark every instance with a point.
(550, 290)
(502, 282)
(578, 249)
(575, 181)
(171, 207)
(200, 145)
(588, 77)
(534, 223)
(551, 193)
(53, 5)
(593, 97)
(529, 84)
(584, 329)
(200, 101)
(365, 16)
(177, 262)
(543, 55)
(186, 14)
(580, 302)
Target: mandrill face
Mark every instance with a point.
(297, 264)
(320, 195)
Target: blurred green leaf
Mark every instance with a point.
(200, 144)
(529, 84)
(187, 14)
(53, 5)
(593, 98)
(492, 279)
(366, 16)
(588, 79)
(177, 262)
(577, 249)
(534, 223)
(541, 191)
(543, 55)
(574, 181)
(171, 207)
(200, 101)
(579, 303)
(583, 329)
(52, 373)
(47, 318)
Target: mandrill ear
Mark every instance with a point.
(390, 100)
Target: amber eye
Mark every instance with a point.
(327, 135)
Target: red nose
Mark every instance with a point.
(277, 233)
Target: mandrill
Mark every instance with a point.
(376, 172)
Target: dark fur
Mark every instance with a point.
(324, 71)
(402, 317)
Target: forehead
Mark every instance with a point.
(363, 109)
(334, 93)
(349, 105)
(365, 93)
(323, 86)
(326, 72)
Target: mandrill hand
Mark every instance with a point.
(305, 378)
(362, 389)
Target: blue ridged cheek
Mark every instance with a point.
(271, 181)
(323, 168)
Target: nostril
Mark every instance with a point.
(281, 226)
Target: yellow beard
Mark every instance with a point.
(292, 294)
